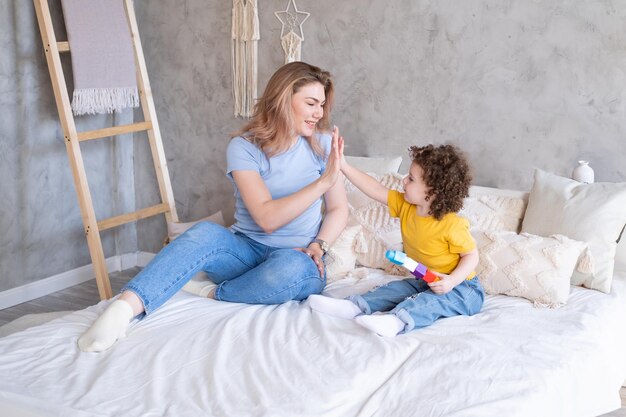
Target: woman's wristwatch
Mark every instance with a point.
(323, 244)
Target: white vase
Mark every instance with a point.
(583, 172)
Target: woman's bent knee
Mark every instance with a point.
(206, 230)
(293, 276)
(295, 263)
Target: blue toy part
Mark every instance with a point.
(417, 269)
(396, 257)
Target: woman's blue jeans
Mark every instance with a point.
(412, 301)
(245, 270)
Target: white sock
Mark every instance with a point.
(110, 326)
(344, 309)
(199, 285)
(387, 325)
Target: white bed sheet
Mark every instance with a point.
(198, 357)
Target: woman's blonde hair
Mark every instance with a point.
(271, 127)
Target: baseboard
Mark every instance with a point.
(18, 295)
(143, 258)
(131, 260)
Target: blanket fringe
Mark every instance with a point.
(104, 100)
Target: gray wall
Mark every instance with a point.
(516, 84)
(41, 229)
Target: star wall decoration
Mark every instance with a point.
(292, 20)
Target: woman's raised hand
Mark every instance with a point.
(333, 166)
(340, 145)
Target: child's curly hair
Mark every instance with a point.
(446, 173)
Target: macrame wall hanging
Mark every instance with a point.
(244, 62)
(292, 20)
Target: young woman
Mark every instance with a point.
(281, 166)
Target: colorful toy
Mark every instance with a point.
(419, 270)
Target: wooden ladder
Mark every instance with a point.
(92, 226)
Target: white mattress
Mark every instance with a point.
(198, 357)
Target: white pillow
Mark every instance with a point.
(592, 213)
(176, 229)
(493, 209)
(620, 254)
(529, 266)
(478, 190)
(341, 256)
(381, 165)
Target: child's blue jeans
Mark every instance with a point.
(245, 270)
(412, 301)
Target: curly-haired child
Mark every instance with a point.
(432, 233)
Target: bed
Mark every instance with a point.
(199, 357)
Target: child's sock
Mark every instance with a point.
(388, 325)
(344, 309)
(199, 286)
(107, 328)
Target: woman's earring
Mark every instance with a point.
(427, 198)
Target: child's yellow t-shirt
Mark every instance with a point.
(434, 243)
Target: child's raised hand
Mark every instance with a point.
(443, 285)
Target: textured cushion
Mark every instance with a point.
(529, 266)
(379, 233)
(341, 256)
(176, 229)
(496, 210)
(381, 165)
(378, 230)
(592, 213)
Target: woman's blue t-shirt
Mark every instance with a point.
(283, 174)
